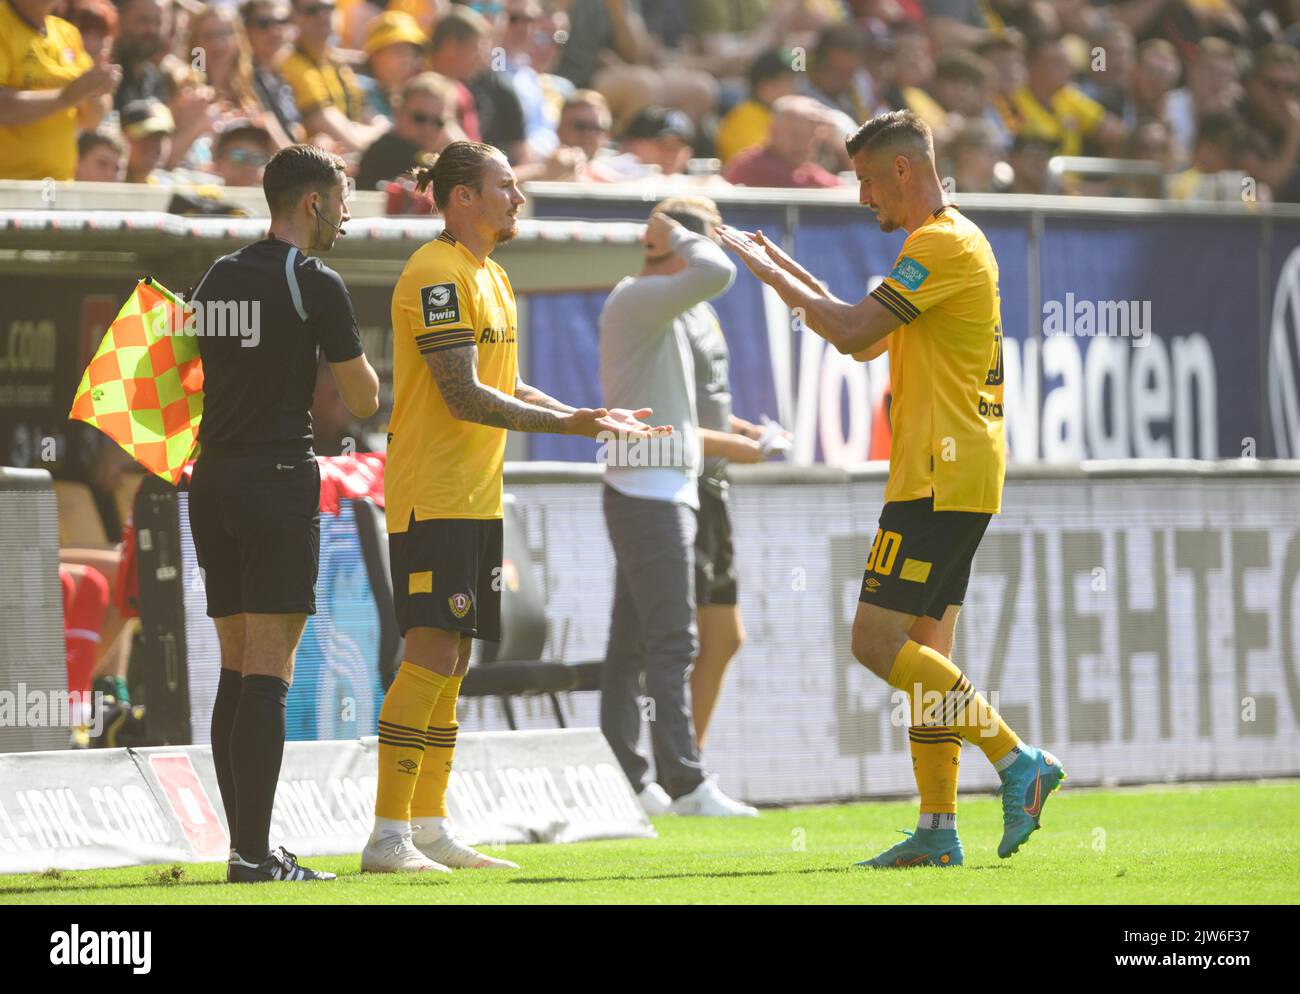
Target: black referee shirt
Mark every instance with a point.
(265, 312)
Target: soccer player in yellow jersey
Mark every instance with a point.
(456, 390)
(937, 313)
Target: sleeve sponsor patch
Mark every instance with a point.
(440, 304)
(909, 273)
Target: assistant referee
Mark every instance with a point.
(255, 493)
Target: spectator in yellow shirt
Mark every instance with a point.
(49, 88)
(327, 91)
(1052, 106)
(748, 123)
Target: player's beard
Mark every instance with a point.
(508, 234)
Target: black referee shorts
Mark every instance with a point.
(715, 565)
(920, 560)
(447, 574)
(255, 520)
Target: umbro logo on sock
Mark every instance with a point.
(408, 766)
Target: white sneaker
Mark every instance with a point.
(397, 854)
(451, 852)
(708, 800)
(655, 800)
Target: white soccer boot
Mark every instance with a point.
(397, 854)
(451, 851)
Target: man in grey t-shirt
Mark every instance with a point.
(651, 501)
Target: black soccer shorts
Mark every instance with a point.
(920, 559)
(255, 521)
(447, 574)
(715, 567)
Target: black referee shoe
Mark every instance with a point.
(279, 865)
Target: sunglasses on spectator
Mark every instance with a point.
(316, 9)
(419, 117)
(522, 19)
(588, 126)
(247, 157)
(267, 23)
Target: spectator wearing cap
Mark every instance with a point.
(328, 94)
(461, 51)
(747, 124)
(837, 75)
(100, 157)
(658, 140)
(787, 158)
(1271, 109)
(425, 122)
(148, 128)
(394, 47)
(1051, 105)
(268, 26)
(97, 22)
(49, 87)
(143, 27)
(1213, 86)
(242, 150)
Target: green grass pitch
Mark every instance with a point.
(1233, 843)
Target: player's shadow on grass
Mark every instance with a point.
(678, 876)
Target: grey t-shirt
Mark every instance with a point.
(712, 391)
(646, 329)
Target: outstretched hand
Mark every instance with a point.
(592, 422)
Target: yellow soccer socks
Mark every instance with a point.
(936, 753)
(429, 803)
(942, 696)
(403, 721)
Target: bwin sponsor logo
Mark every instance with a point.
(1098, 319)
(77, 948)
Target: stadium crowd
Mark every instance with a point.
(1202, 95)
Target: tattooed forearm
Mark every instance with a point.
(531, 395)
(456, 373)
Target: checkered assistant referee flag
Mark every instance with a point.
(144, 387)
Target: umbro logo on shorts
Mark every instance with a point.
(439, 303)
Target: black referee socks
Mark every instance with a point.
(224, 710)
(256, 749)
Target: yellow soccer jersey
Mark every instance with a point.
(39, 60)
(440, 466)
(945, 367)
